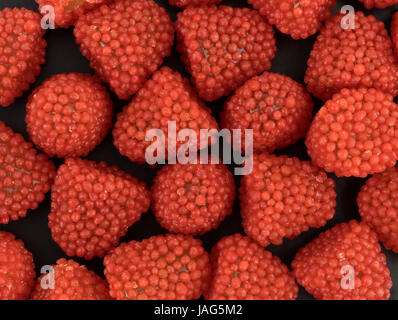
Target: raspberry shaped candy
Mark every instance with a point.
(394, 33)
(166, 100)
(351, 58)
(69, 115)
(22, 52)
(192, 198)
(17, 270)
(378, 206)
(242, 270)
(92, 206)
(277, 108)
(283, 197)
(163, 267)
(369, 4)
(125, 42)
(222, 47)
(299, 19)
(185, 3)
(355, 133)
(25, 176)
(72, 281)
(344, 263)
(66, 12)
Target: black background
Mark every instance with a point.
(63, 55)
